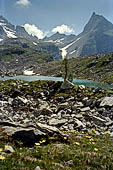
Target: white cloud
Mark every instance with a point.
(24, 3)
(34, 31)
(63, 29)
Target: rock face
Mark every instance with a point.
(94, 39)
(28, 115)
(9, 31)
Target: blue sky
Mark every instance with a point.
(46, 15)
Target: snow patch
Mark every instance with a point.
(64, 49)
(28, 72)
(35, 43)
(49, 41)
(2, 24)
(1, 20)
(56, 41)
(73, 51)
(1, 39)
(10, 34)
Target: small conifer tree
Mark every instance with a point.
(68, 75)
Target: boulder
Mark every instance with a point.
(78, 124)
(98, 120)
(110, 123)
(82, 87)
(23, 100)
(62, 106)
(9, 149)
(85, 109)
(107, 101)
(43, 105)
(37, 168)
(67, 85)
(57, 122)
(3, 103)
(46, 111)
(29, 134)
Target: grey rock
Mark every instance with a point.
(9, 149)
(111, 133)
(61, 113)
(50, 129)
(64, 104)
(67, 85)
(109, 123)
(78, 124)
(85, 109)
(107, 101)
(54, 116)
(68, 111)
(3, 103)
(46, 111)
(79, 116)
(70, 163)
(43, 105)
(98, 120)
(70, 99)
(72, 115)
(81, 87)
(24, 100)
(57, 122)
(77, 105)
(10, 101)
(37, 168)
(27, 134)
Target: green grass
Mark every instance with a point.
(79, 152)
(101, 70)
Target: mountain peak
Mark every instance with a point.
(93, 14)
(97, 22)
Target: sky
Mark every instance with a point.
(45, 17)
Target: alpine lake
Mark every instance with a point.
(87, 83)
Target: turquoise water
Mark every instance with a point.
(87, 83)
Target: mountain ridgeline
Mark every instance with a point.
(96, 38)
(14, 40)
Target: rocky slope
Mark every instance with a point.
(78, 108)
(20, 54)
(43, 126)
(96, 67)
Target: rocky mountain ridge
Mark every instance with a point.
(96, 38)
(8, 30)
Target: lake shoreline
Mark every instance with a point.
(87, 83)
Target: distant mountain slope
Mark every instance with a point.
(97, 37)
(17, 37)
(7, 30)
(60, 39)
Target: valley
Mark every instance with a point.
(52, 125)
